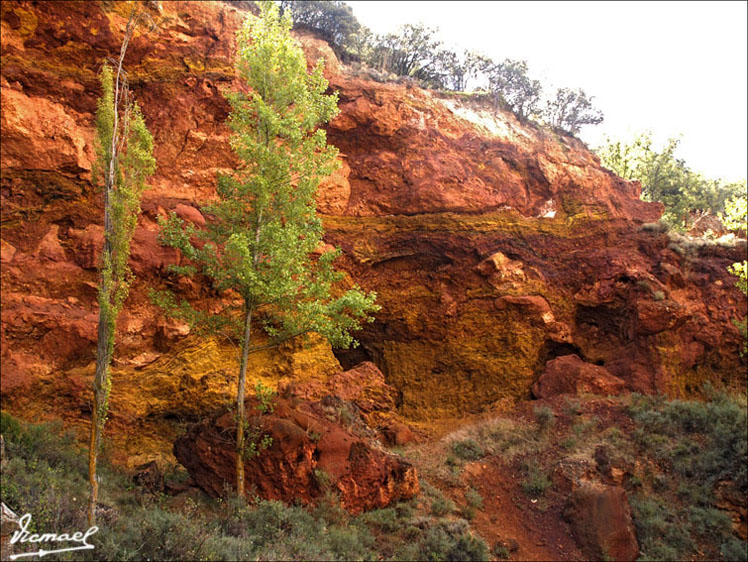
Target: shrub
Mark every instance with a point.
(666, 178)
(46, 476)
(545, 418)
(468, 450)
(697, 444)
(721, 451)
(412, 51)
(474, 499)
(536, 482)
(445, 541)
(660, 529)
(710, 521)
(387, 519)
(734, 549)
(500, 551)
(569, 443)
(467, 512)
(161, 534)
(571, 406)
(333, 20)
(441, 506)
(468, 547)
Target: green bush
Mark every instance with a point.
(720, 451)
(161, 534)
(468, 547)
(536, 482)
(386, 520)
(696, 444)
(709, 521)
(571, 406)
(661, 530)
(442, 506)
(734, 549)
(474, 499)
(468, 450)
(445, 541)
(500, 551)
(545, 418)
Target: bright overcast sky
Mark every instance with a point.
(676, 68)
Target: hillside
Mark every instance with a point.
(504, 257)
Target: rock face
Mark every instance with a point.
(494, 247)
(462, 326)
(570, 375)
(600, 518)
(309, 455)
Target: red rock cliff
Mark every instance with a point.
(494, 246)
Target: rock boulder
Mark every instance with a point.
(308, 455)
(570, 375)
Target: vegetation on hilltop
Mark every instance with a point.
(736, 218)
(668, 179)
(414, 51)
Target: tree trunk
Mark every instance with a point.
(101, 396)
(240, 404)
(105, 346)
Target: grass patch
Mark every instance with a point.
(501, 436)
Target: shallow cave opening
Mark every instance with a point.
(349, 358)
(552, 349)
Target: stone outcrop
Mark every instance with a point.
(494, 246)
(462, 327)
(570, 375)
(600, 519)
(309, 455)
(363, 385)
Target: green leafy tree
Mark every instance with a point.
(736, 218)
(512, 88)
(124, 150)
(570, 109)
(412, 51)
(333, 20)
(361, 44)
(717, 195)
(455, 70)
(258, 246)
(666, 178)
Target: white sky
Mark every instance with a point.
(675, 68)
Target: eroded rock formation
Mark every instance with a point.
(494, 247)
(310, 454)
